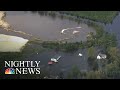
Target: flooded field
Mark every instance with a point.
(47, 28)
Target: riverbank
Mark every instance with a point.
(99, 16)
(100, 39)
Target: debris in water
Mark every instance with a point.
(74, 32)
(50, 62)
(54, 60)
(80, 55)
(78, 27)
(62, 31)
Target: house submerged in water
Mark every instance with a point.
(101, 56)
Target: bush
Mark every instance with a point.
(75, 73)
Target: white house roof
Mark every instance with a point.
(101, 56)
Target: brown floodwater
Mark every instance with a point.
(45, 27)
(48, 28)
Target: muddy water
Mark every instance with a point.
(45, 27)
(48, 28)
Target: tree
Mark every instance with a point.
(112, 71)
(113, 53)
(75, 73)
(91, 52)
(93, 75)
(92, 63)
(69, 47)
(61, 75)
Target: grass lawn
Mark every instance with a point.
(101, 16)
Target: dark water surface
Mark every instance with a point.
(114, 27)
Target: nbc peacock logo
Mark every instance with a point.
(10, 71)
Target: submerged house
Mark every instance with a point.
(102, 61)
(101, 56)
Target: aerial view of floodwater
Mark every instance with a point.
(49, 28)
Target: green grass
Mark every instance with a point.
(100, 16)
